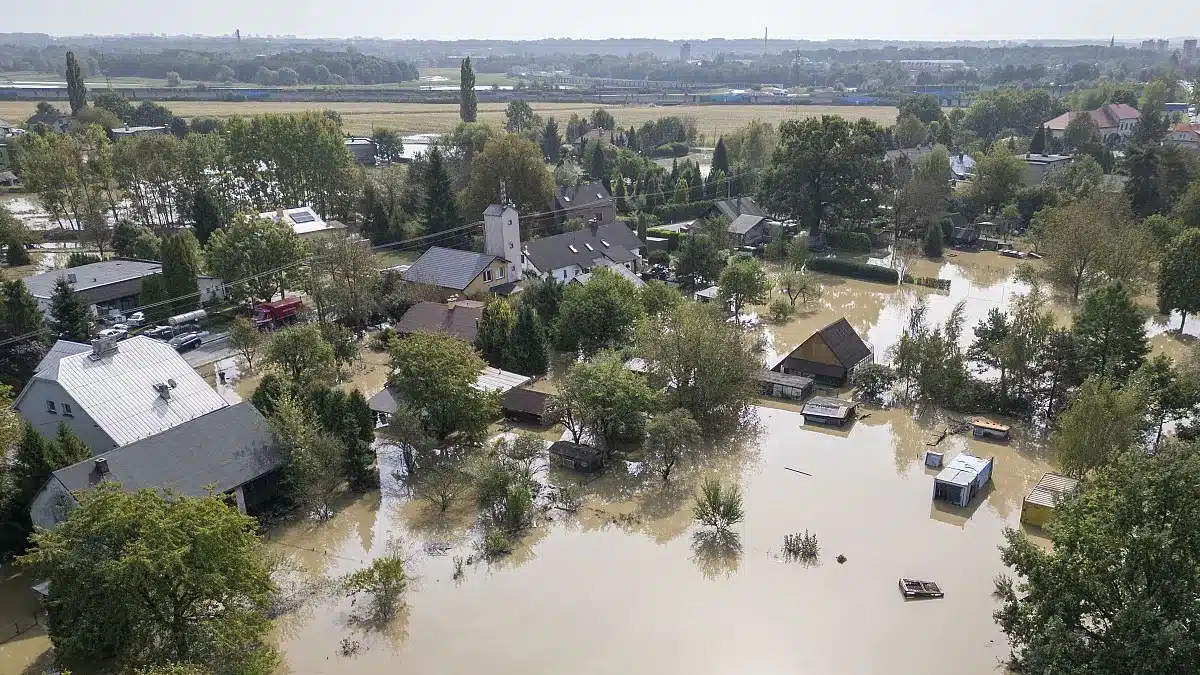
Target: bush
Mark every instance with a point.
(659, 257)
(495, 544)
(802, 547)
(79, 259)
(931, 243)
(858, 242)
(781, 309)
(381, 340)
(671, 150)
(718, 506)
(854, 270)
(673, 213)
(16, 254)
(872, 381)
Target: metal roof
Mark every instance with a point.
(91, 276)
(825, 406)
(448, 268)
(772, 377)
(117, 390)
(711, 293)
(494, 379)
(962, 470)
(1050, 489)
(304, 220)
(223, 449)
(620, 270)
(614, 241)
(60, 350)
(845, 343)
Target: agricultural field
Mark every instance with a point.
(414, 118)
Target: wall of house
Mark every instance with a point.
(51, 506)
(481, 286)
(32, 407)
(815, 349)
(565, 274)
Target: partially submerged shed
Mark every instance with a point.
(525, 405)
(1038, 507)
(781, 385)
(827, 410)
(962, 479)
(576, 456)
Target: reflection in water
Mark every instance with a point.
(717, 553)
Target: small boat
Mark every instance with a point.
(916, 588)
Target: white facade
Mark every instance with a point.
(502, 238)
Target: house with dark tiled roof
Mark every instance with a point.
(586, 201)
(1115, 120)
(230, 450)
(567, 255)
(459, 319)
(829, 356)
(746, 221)
(457, 272)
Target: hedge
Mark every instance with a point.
(854, 270)
(671, 150)
(859, 242)
(671, 236)
(674, 213)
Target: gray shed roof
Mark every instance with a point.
(117, 390)
(92, 276)
(460, 321)
(448, 268)
(60, 350)
(224, 449)
(744, 223)
(614, 241)
(732, 208)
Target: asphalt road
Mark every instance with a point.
(214, 348)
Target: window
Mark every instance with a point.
(50, 408)
(510, 244)
(487, 275)
(564, 276)
(589, 247)
(500, 273)
(67, 412)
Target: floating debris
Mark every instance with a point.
(916, 588)
(841, 559)
(798, 471)
(436, 547)
(801, 547)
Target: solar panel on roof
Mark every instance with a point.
(302, 217)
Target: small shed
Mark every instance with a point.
(827, 410)
(984, 428)
(575, 456)
(964, 235)
(707, 295)
(1038, 507)
(780, 385)
(962, 479)
(525, 405)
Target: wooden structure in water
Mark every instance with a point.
(1038, 507)
(917, 588)
(984, 428)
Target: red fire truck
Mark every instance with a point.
(278, 313)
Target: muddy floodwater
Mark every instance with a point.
(628, 584)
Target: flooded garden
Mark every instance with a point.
(628, 583)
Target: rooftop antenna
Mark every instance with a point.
(503, 194)
(237, 32)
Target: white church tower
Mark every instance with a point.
(502, 237)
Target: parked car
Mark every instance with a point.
(113, 317)
(186, 341)
(119, 333)
(136, 319)
(159, 333)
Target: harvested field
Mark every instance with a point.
(412, 118)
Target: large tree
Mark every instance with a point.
(1179, 276)
(709, 366)
(516, 162)
(1110, 332)
(825, 171)
(439, 211)
(528, 348)
(181, 270)
(144, 579)
(301, 354)
(998, 176)
(1095, 238)
(70, 318)
(1119, 591)
(206, 215)
(551, 141)
(495, 325)
(669, 437)
(743, 282)
(1101, 422)
(699, 258)
(599, 314)
(605, 398)
(468, 100)
(924, 107)
(76, 87)
(256, 255)
(20, 317)
(435, 374)
(720, 160)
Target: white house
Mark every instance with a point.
(1116, 122)
(567, 255)
(305, 222)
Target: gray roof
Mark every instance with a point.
(223, 449)
(448, 267)
(525, 401)
(385, 401)
(460, 321)
(118, 390)
(92, 276)
(615, 267)
(60, 350)
(825, 406)
(845, 343)
(576, 451)
(732, 208)
(494, 210)
(744, 223)
(576, 196)
(614, 241)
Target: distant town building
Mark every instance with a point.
(1116, 122)
(685, 52)
(1185, 135)
(1041, 165)
(933, 65)
(107, 285)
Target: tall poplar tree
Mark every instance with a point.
(76, 89)
(468, 103)
(181, 266)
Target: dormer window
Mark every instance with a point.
(573, 249)
(589, 247)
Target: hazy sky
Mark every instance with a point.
(531, 19)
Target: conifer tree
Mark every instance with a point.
(69, 316)
(468, 104)
(528, 348)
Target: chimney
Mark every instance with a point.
(70, 277)
(102, 466)
(102, 346)
(164, 389)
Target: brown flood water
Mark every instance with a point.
(623, 585)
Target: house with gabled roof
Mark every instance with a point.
(1116, 122)
(567, 255)
(458, 319)
(230, 450)
(458, 272)
(587, 201)
(116, 393)
(829, 356)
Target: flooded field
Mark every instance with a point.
(627, 584)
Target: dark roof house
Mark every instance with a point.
(583, 248)
(581, 196)
(829, 355)
(456, 319)
(222, 451)
(95, 283)
(732, 208)
(448, 268)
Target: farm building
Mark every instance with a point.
(575, 456)
(965, 476)
(827, 410)
(779, 385)
(1038, 507)
(525, 406)
(829, 356)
